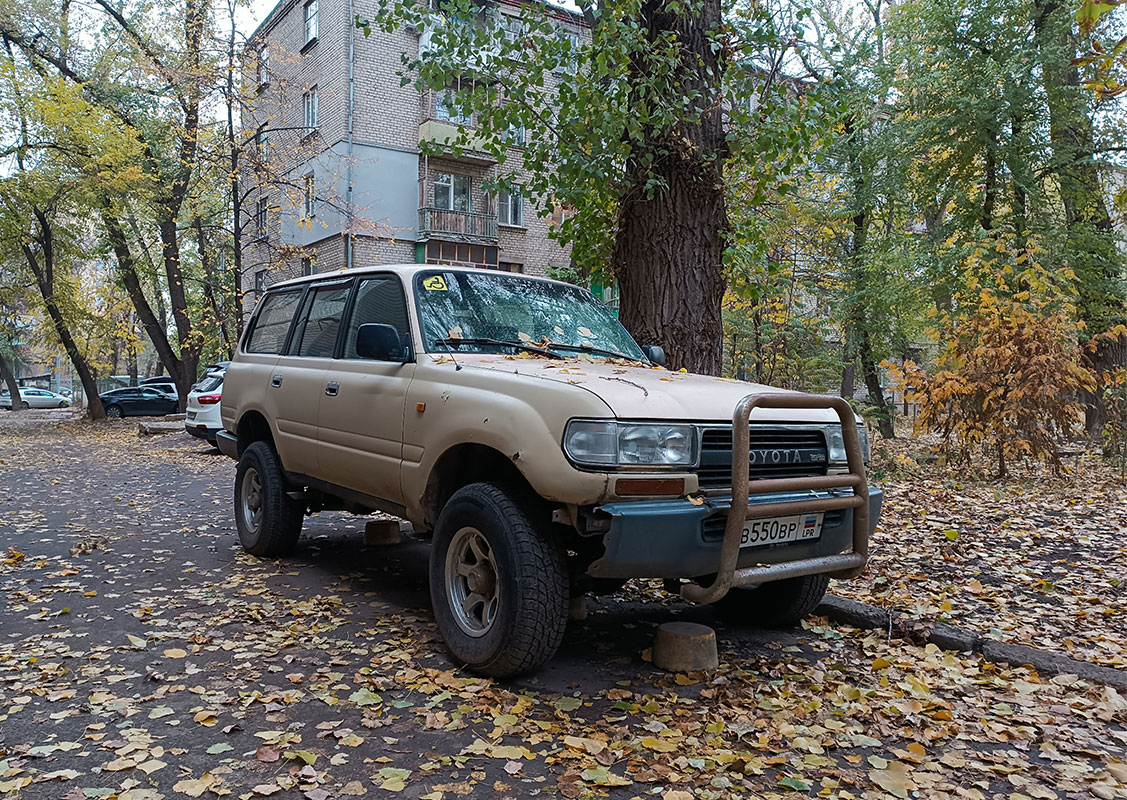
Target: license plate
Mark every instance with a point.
(191, 415)
(781, 530)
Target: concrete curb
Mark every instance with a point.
(949, 637)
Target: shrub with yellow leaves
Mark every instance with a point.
(1006, 384)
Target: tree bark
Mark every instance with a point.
(669, 247)
(42, 266)
(10, 381)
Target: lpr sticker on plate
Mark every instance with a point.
(780, 530)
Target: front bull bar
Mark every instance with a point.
(842, 565)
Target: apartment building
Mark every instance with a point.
(334, 176)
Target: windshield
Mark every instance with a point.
(512, 308)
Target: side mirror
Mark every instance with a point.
(381, 342)
(655, 353)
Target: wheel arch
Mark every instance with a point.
(463, 464)
(253, 427)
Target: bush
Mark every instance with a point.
(1008, 380)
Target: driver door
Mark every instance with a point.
(360, 430)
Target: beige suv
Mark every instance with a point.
(515, 421)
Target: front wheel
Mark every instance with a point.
(268, 520)
(498, 582)
(778, 604)
(114, 412)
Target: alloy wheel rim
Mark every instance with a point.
(472, 584)
(252, 499)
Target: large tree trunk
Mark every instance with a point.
(42, 266)
(669, 248)
(10, 381)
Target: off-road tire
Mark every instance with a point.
(778, 604)
(531, 580)
(115, 412)
(280, 520)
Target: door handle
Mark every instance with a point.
(276, 381)
(331, 388)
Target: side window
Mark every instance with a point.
(273, 322)
(318, 338)
(377, 300)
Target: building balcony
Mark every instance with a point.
(444, 134)
(459, 226)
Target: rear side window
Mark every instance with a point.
(269, 334)
(317, 338)
(377, 300)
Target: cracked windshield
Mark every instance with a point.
(464, 309)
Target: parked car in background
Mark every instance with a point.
(35, 398)
(139, 401)
(162, 382)
(202, 414)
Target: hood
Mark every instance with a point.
(637, 392)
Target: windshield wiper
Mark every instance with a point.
(586, 348)
(531, 348)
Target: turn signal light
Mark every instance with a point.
(209, 399)
(664, 487)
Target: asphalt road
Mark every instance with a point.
(143, 654)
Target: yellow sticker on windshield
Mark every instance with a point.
(435, 283)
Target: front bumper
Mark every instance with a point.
(677, 539)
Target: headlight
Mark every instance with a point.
(608, 443)
(835, 443)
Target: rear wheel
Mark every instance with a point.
(778, 604)
(498, 582)
(268, 520)
(115, 412)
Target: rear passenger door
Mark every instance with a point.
(298, 384)
(251, 378)
(361, 419)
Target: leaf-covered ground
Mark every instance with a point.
(143, 655)
(1037, 560)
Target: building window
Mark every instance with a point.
(569, 57)
(452, 192)
(262, 142)
(308, 187)
(260, 216)
(260, 281)
(515, 134)
(264, 67)
(311, 22)
(446, 107)
(306, 266)
(509, 266)
(312, 116)
(510, 207)
(513, 28)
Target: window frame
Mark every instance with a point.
(312, 110)
(505, 199)
(305, 306)
(442, 110)
(350, 310)
(309, 195)
(262, 216)
(253, 326)
(452, 184)
(311, 13)
(262, 144)
(263, 67)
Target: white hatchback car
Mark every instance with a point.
(202, 412)
(35, 398)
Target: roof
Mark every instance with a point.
(406, 270)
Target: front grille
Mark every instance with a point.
(775, 453)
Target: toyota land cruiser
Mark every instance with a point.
(514, 421)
